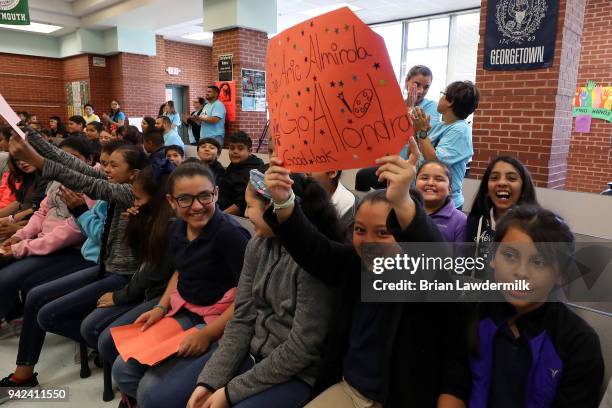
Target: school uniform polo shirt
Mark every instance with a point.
(209, 265)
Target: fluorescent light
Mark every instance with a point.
(33, 27)
(322, 10)
(199, 36)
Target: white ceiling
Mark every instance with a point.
(176, 18)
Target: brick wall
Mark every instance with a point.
(33, 84)
(37, 84)
(589, 165)
(526, 113)
(248, 48)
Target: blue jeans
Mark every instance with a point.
(64, 315)
(94, 324)
(139, 380)
(171, 386)
(24, 274)
(106, 344)
(32, 335)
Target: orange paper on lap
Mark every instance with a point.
(152, 346)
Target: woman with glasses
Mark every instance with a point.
(207, 250)
(449, 141)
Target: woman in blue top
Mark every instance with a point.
(450, 141)
(115, 117)
(170, 112)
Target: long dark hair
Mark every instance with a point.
(16, 175)
(150, 122)
(134, 157)
(61, 128)
(482, 203)
(147, 233)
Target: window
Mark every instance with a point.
(447, 44)
(392, 34)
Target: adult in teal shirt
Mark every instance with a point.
(450, 141)
(212, 119)
(171, 136)
(170, 112)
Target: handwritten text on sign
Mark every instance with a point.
(333, 98)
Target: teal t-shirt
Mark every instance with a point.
(453, 144)
(213, 129)
(173, 138)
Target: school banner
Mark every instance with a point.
(14, 12)
(520, 34)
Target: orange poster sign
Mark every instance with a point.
(332, 94)
(227, 95)
(152, 346)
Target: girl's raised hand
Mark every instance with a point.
(420, 120)
(399, 174)
(278, 181)
(71, 198)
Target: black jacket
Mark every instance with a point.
(234, 182)
(425, 342)
(218, 171)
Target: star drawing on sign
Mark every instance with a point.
(322, 132)
(299, 93)
(332, 84)
(341, 83)
(308, 89)
(305, 59)
(293, 146)
(341, 110)
(376, 65)
(354, 77)
(327, 29)
(337, 30)
(381, 82)
(310, 109)
(347, 27)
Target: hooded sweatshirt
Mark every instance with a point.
(281, 318)
(50, 228)
(234, 182)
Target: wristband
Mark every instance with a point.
(286, 204)
(163, 308)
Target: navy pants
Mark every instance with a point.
(32, 334)
(171, 386)
(22, 275)
(66, 314)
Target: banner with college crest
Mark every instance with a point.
(520, 34)
(14, 12)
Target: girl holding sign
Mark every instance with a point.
(379, 354)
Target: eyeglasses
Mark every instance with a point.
(186, 200)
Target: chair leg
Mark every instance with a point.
(85, 371)
(108, 394)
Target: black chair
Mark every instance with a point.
(108, 394)
(608, 192)
(85, 371)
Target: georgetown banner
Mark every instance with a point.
(14, 12)
(520, 34)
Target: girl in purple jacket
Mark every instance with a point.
(433, 182)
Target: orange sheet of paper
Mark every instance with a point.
(333, 97)
(152, 346)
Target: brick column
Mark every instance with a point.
(527, 114)
(248, 48)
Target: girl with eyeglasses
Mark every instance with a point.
(207, 250)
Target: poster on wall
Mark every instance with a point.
(520, 34)
(333, 97)
(77, 95)
(14, 12)
(253, 90)
(227, 95)
(225, 67)
(593, 100)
